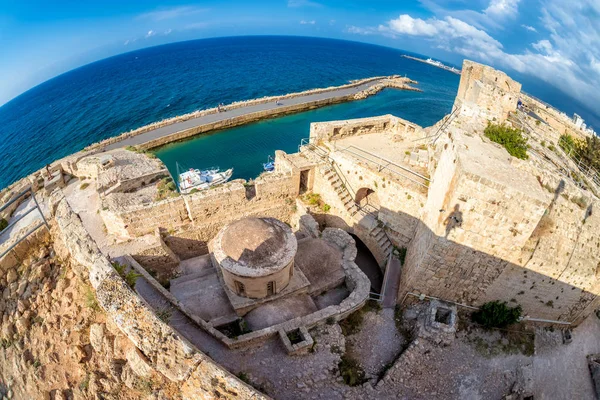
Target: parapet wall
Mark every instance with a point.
(335, 130)
(168, 352)
(206, 211)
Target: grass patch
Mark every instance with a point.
(166, 189)
(351, 371)
(511, 139)
(164, 315)
(90, 299)
(129, 277)
(352, 323)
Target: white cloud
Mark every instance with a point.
(359, 31)
(529, 28)
(311, 22)
(168, 31)
(150, 33)
(170, 13)
(502, 8)
(303, 3)
(567, 58)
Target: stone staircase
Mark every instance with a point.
(347, 199)
(340, 188)
(383, 241)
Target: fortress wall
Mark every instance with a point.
(170, 214)
(167, 352)
(485, 93)
(334, 130)
(443, 181)
(557, 120)
(560, 277)
(459, 261)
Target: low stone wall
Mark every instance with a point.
(356, 281)
(335, 130)
(168, 352)
(206, 211)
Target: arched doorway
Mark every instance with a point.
(368, 264)
(367, 199)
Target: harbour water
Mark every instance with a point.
(117, 94)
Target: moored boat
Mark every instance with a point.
(202, 179)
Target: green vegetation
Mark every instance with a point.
(512, 139)
(84, 185)
(400, 252)
(90, 299)
(586, 151)
(242, 376)
(164, 315)
(352, 323)
(351, 371)
(3, 224)
(496, 314)
(129, 277)
(166, 188)
(314, 199)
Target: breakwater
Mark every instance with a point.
(238, 113)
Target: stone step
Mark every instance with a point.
(194, 276)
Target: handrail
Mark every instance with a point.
(382, 167)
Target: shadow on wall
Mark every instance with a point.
(439, 267)
(186, 248)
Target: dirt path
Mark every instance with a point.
(561, 371)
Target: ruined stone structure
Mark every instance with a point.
(474, 224)
(256, 256)
(485, 94)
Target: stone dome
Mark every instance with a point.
(255, 246)
(254, 242)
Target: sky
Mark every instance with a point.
(557, 41)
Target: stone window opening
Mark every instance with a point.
(240, 288)
(270, 288)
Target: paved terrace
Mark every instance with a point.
(334, 95)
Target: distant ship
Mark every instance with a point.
(200, 180)
(434, 63)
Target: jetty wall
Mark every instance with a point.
(379, 83)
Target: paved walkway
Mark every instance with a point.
(392, 283)
(236, 112)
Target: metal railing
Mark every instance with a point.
(383, 163)
(16, 220)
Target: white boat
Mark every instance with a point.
(202, 179)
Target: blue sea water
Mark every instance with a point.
(124, 92)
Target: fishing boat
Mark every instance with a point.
(202, 179)
(269, 166)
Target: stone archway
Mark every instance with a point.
(367, 199)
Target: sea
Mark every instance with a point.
(124, 92)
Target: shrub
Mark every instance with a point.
(84, 185)
(129, 277)
(3, 224)
(496, 314)
(351, 371)
(512, 139)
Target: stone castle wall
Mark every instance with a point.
(166, 351)
(485, 93)
(202, 214)
(335, 130)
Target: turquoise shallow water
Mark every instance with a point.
(245, 148)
